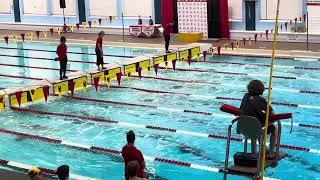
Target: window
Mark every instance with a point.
(288, 9)
(37, 7)
(5, 6)
(235, 9)
(137, 7)
(103, 8)
(70, 9)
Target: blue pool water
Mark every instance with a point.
(188, 148)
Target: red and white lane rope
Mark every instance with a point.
(20, 77)
(105, 150)
(150, 127)
(255, 64)
(71, 52)
(240, 74)
(34, 67)
(26, 167)
(228, 85)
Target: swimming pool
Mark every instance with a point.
(184, 89)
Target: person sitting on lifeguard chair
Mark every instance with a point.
(253, 104)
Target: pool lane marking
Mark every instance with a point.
(149, 127)
(27, 167)
(71, 52)
(107, 151)
(239, 74)
(20, 77)
(35, 67)
(213, 83)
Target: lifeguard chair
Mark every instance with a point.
(245, 163)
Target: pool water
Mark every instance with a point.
(187, 148)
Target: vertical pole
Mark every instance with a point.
(64, 18)
(307, 29)
(122, 27)
(263, 149)
(16, 10)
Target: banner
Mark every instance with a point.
(192, 16)
(135, 30)
(148, 30)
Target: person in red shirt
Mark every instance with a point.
(131, 153)
(99, 50)
(168, 29)
(62, 57)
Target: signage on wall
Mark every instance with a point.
(192, 16)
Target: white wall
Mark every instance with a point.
(103, 8)
(235, 9)
(137, 7)
(37, 7)
(5, 6)
(70, 9)
(289, 9)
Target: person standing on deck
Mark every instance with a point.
(99, 50)
(62, 57)
(168, 29)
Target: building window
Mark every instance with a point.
(70, 9)
(103, 8)
(289, 9)
(36, 7)
(137, 8)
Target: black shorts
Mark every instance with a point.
(99, 58)
(271, 129)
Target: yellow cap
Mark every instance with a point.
(34, 171)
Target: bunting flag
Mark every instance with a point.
(6, 39)
(58, 30)
(304, 17)
(300, 19)
(30, 35)
(244, 42)
(249, 41)
(59, 91)
(156, 67)
(38, 34)
(22, 36)
(14, 37)
(174, 62)
(219, 50)
(286, 26)
(225, 46)
(129, 76)
(198, 57)
(84, 24)
(32, 91)
(281, 27)
(255, 38)
(45, 33)
(71, 87)
(119, 75)
(295, 24)
(237, 45)
(72, 28)
(139, 69)
(267, 34)
(90, 25)
(261, 34)
(18, 96)
(100, 20)
(51, 31)
(108, 82)
(78, 26)
(94, 22)
(189, 60)
(149, 70)
(65, 28)
(291, 22)
(96, 82)
(85, 89)
(205, 55)
(110, 19)
(232, 45)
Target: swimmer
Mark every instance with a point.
(35, 174)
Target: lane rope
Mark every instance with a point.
(35, 67)
(150, 127)
(20, 77)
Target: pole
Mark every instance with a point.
(64, 18)
(263, 149)
(122, 27)
(307, 30)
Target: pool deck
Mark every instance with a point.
(284, 49)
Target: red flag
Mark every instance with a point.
(244, 42)
(22, 36)
(232, 45)
(89, 22)
(51, 31)
(18, 96)
(119, 77)
(46, 92)
(204, 55)
(286, 26)
(38, 34)
(71, 87)
(100, 20)
(96, 82)
(255, 38)
(304, 17)
(267, 34)
(78, 26)
(174, 64)
(189, 60)
(219, 50)
(156, 67)
(110, 19)
(139, 71)
(6, 39)
(65, 28)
